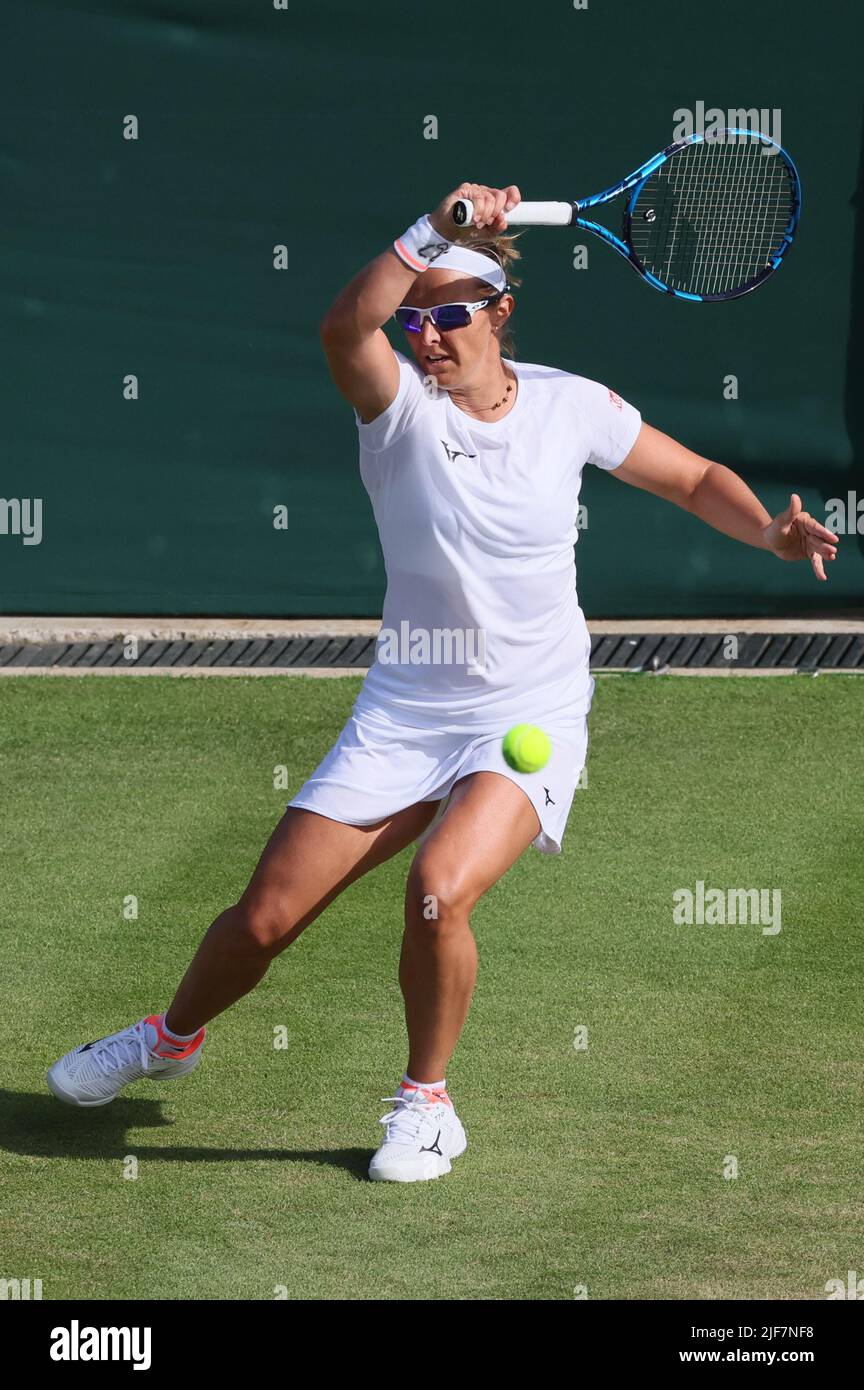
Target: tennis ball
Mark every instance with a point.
(526, 748)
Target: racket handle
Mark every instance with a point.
(523, 215)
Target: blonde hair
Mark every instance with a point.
(502, 247)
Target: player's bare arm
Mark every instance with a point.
(719, 497)
(361, 360)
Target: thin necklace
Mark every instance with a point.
(502, 400)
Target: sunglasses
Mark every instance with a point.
(444, 316)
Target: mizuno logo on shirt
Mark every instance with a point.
(456, 453)
(548, 801)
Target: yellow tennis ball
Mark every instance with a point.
(526, 748)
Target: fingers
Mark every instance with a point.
(816, 529)
(498, 222)
(816, 537)
(483, 200)
(828, 552)
(800, 536)
(819, 544)
(791, 514)
(490, 204)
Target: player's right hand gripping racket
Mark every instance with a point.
(710, 217)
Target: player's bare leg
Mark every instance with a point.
(487, 825)
(306, 864)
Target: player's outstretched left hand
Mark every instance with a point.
(796, 535)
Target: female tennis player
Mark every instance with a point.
(473, 463)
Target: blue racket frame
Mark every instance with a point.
(637, 181)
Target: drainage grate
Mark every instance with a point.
(760, 651)
(258, 651)
(756, 651)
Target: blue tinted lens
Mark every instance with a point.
(408, 319)
(450, 316)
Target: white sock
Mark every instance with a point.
(178, 1037)
(423, 1085)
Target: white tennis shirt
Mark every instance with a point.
(478, 522)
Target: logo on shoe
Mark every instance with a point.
(433, 1148)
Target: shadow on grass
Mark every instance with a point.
(38, 1126)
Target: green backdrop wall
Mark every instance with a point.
(304, 126)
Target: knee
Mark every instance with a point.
(261, 924)
(438, 896)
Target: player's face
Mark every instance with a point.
(454, 356)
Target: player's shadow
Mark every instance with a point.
(38, 1126)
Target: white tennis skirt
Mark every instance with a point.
(379, 766)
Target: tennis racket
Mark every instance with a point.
(709, 218)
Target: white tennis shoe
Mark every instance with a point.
(94, 1073)
(422, 1134)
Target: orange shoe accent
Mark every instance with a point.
(166, 1047)
(431, 1095)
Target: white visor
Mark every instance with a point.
(474, 263)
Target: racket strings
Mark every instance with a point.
(713, 217)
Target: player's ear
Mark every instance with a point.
(503, 309)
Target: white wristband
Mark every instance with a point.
(420, 245)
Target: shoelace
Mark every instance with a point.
(406, 1120)
(120, 1052)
